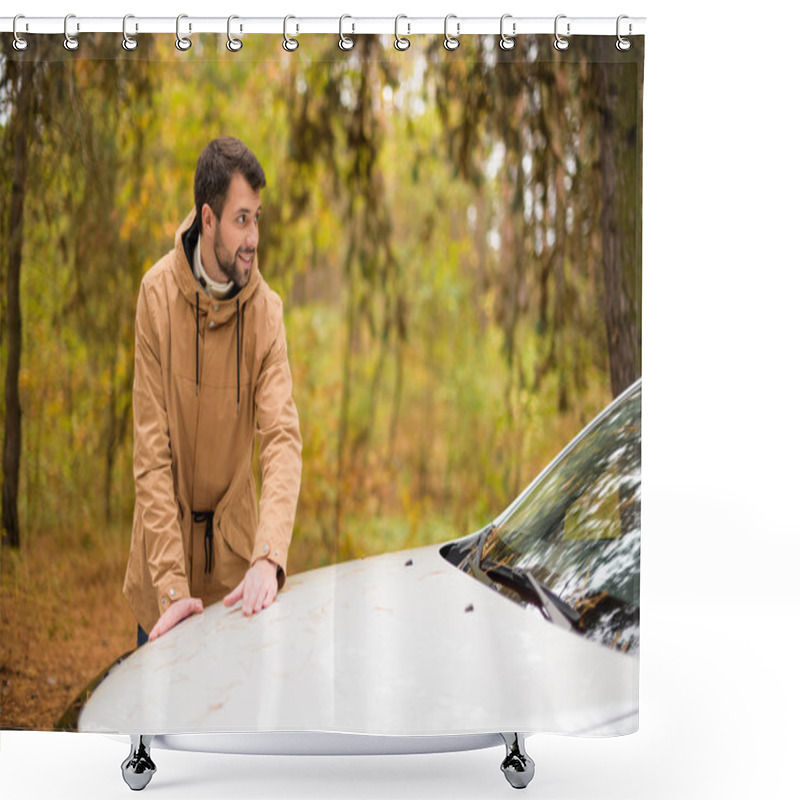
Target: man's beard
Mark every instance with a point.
(228, 264)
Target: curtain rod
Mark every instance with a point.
(403, 25)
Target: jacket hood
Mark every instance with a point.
(187, 283)
(225, 311)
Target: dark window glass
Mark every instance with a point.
(571, 542)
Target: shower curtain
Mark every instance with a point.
(454, 236)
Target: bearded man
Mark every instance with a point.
(211, 376)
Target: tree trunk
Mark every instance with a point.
(21, 126)
(619, 106)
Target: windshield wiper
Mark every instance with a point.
(520, 581)
(553, 608)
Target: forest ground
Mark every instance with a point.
(63, 620)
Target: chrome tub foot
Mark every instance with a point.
(517, 766)
(138, 768)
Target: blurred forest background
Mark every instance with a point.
(457, 240)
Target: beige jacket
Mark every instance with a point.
(198, 401)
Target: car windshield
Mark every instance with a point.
(574, 534)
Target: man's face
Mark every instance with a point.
(236, 232)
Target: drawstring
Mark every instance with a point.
(238, 357)
(208, 542)
(197, 344)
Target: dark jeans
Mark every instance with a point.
(141, 636)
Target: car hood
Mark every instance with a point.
(398, 644)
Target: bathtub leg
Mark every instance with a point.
(518, 766)
(138, 768)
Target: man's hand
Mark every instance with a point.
(257, 589)
(179, 610)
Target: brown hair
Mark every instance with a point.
(215, 168)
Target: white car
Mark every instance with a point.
(529, 625)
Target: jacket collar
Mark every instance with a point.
(185, 242)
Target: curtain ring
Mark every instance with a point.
(345, 42)
(507, 42)
(451, 42)
(183, 43)
(128, 42)
(289, 44)
(623, 44)
(20, 44)
(234, 45)
(400, 42)
(70, 42)
(561, 42)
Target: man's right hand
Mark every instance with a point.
(179, 610)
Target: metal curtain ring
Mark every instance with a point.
(182, 42)
(400, 42)
(20, 44)
(345, 42)
(289, 44)
(561, 42)
(507, 42)
(128, 42)
(234, 45)
(70, 42)
(451, 42)
(623, 44)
